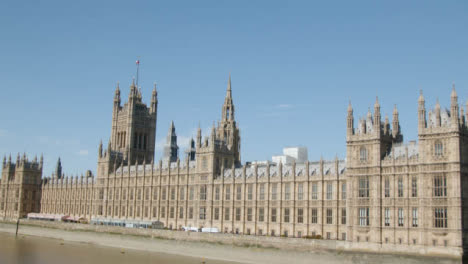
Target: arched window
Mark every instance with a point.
(363, 154)
(204, 163)
(227, 113)
(438, 148)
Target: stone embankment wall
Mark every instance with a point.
(296, 244)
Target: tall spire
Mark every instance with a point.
(350, 120)
(454, 109)
(228, 107)
(171, 150)
(154, 99)
(395, 123)
(199, 136)
(421, 112)
(58, 169)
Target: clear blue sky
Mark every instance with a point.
(294, 67)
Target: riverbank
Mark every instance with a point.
(222, 247)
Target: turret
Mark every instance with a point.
(199, 136)
(228, 107)
(117, 96)
(377, 118)
(454, 110)
(100, 149)
(395, 123)
(171, 150)
(421, 113)
(58, 169)
(350, 120)
(154, 100)
(437, 113)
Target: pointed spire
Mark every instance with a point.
(229, 83)
(350, 120)
(58, 169)
(100, 149)
(377, 104)
(199, 136)
(454, 110)
(454, 92)
(421, 97)
(395, 123)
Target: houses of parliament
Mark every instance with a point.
(386, 191)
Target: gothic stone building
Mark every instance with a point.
(386, 192)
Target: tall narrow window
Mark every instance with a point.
(440, 186)
(173, 193)
(440, 217)
(415, 217)
(181, 212)
(363, 154)
(364, 216)
(262, 191)
(182, 193)
(343, 216)
(191, 193)
(343, 191)
(300, 215)
(163, 194)
(202, 213)
(400, 187)
(274, 191)
(250, 192)
(217, 193)
(238, 214)
(190, 213)
(286, 215)
(239, 192)
(364, 187)
(438, 148)
(401, 217)
(329, 216)
(202, 193)
(216, 213)
(314, 216)
(314, 191)
(300, 191)
(228, 193)
(261, 214)
(329, 191)
(387, 187)
(249, 214)
(387, 216)
(287, 191)
(227, 214)
(273, 215)
(414, 187)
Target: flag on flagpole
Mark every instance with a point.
(138, 62)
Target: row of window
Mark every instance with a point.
(439, 187)
(227, 194)
(439, 217)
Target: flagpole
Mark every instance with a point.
(138, 70)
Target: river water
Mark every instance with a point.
(38, 250)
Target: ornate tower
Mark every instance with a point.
(222, 148)
(171, 150)
(133, 131)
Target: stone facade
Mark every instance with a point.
(386, 192)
